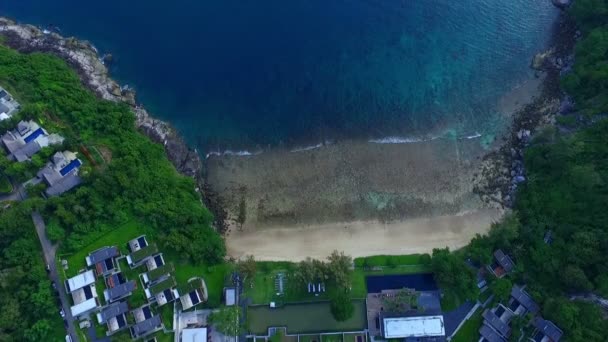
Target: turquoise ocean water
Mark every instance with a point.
(243, 74)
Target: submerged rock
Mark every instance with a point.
(562, 4)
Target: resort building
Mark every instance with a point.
(194, 335)
(145, 322)
(497, 322)
(103, 260)
(84, 294)
(61, 173)
(155, 262)
(521, 302)
(26, 140)
(194, 293)
(137, 243)
(118, 287)
(502, 265)
(422, 328)
(163, 292)
(142, 255)
(8, 105)
(546, 331)
(114, 316)
(157, 274)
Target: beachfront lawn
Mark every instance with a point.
(392, 260)
(264, 288)
(469, 331)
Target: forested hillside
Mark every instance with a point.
(559, 233)
(136, 182)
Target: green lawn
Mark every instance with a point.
(214, 276)
(331, 338)
(391, 260)
(58, 331)
(310, 338)
(117, 237)
(166, 315)
(469, 331)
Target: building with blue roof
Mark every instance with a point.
(61, 173)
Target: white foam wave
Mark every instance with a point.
(400, 140)
(474, 136)
(244, 153)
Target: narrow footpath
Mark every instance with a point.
(49, 251)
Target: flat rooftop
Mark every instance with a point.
(421, 326)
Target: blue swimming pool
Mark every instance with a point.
(419, 282)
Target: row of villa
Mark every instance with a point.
(496, 324)
(158, 283)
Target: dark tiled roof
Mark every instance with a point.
(122, 290)
(103, 254)
(146, 327)
(548, 328)
(490, 335)
(524, 299)
(504, 260)
(65, 185)
(114, 310)
(493, 321)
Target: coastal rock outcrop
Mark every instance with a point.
(562, 4)
(85, 59)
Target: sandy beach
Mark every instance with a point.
(362, 238)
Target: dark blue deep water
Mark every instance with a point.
(244, 73)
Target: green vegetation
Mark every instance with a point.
(456, 279)
(393, 260)
(138, 182)
(5, 184)
(469, 331)
(341, 306)
(29, 313)
(226, 320)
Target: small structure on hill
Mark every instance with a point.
(103, 260)
(118, 287)
(61, 173)
(163, 292)
(137, 243)
(114, 316)
(146, 322)
(546, 331)
(84, 294)
(8, 105)
(26, 140)
(140, 256)
(502, 265)
(521, 302)
(194, 293)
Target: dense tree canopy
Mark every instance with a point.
(139, 183)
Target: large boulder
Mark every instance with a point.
(561, 3)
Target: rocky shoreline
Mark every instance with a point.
(503, 169)
(84, 58)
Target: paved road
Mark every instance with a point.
(18, 194)
(49, 257)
